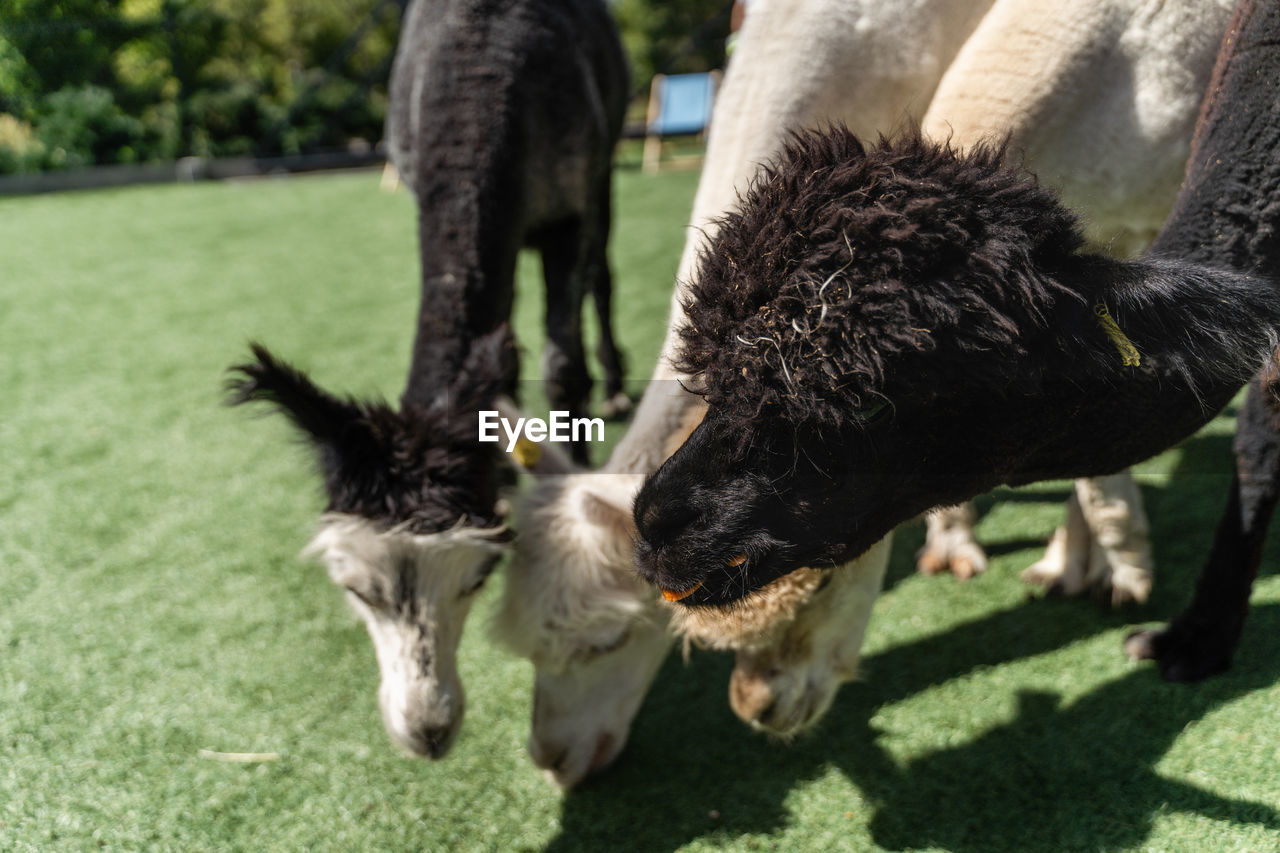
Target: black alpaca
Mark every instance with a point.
(503, 118)
(1229, 213)
(883, 330)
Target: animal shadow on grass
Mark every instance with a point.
(1056, 776)
(1061, 776)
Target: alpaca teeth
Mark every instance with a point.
(737, 561)
(676, 596)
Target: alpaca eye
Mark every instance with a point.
(367, 596)
(478, 581)
(612, 646)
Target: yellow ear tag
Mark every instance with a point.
(526, 452)
(1128, 352)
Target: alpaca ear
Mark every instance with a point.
(609, 502)
(1212, 325)
(601, 512)
(338, 428)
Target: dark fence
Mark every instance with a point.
(186, 169)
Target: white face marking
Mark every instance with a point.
(582, 712)
(575, 607)
(414, 593)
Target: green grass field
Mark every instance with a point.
(152, 603)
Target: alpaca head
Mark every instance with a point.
(797, 640)
(574, 606)
(413, 591)
(883, 330)
(410, 531)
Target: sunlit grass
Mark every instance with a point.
(152, 603)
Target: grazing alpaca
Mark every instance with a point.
(503, 119)
(409, 530)
(596, 636)
(1228, 214)
(596, 633)
(883, 330)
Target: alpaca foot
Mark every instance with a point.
(1178, 655)
(1061, 570)
(964, 562)
(1119, 553)
(949, 545)
(1071, 568)
(1102, 548)
(1131, 580)
(616, 407)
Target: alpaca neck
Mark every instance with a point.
(1226, 214)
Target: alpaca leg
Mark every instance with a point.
(564, 363)
(1102, 546)
(949, 544)
(616, 402)
(1062, 569)
(1200, 641)
(1120, 552)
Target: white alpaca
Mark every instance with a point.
(596, 636)
(875, 66)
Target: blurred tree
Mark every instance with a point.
(662, 37)
(20, 150)
(64, 42)
(104, 81)
(123, 80)
(81, 125)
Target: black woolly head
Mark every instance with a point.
(844, 260)
(422, 466)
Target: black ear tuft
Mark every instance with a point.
(316, 412)
(348, 436)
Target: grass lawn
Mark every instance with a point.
(152, 603)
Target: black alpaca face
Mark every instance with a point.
(736, 507)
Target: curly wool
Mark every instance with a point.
(843, 260)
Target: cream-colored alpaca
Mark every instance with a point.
(873, 66)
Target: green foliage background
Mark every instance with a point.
(119, 81)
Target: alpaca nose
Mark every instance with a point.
(663, 523)
(429, 741)
(569, 763)
(425, 727)
(437, 740)
(547, 756)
